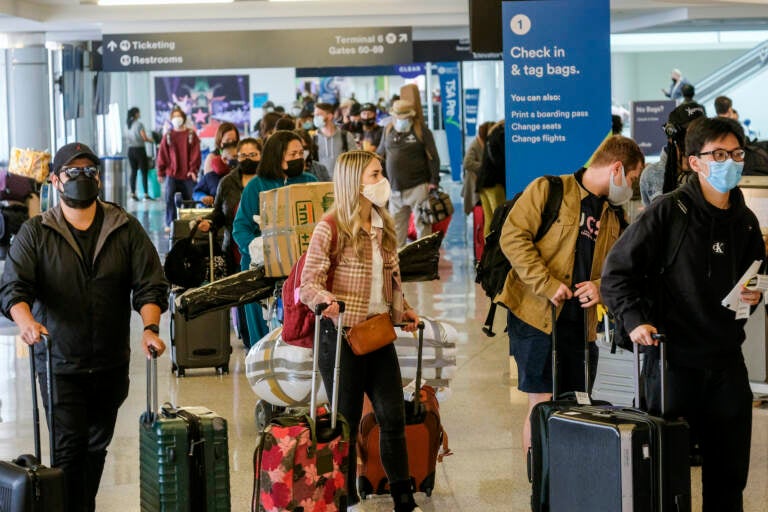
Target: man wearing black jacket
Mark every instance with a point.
(651, 292)
(74, 272)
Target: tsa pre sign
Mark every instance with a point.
(557, 84)
(451, 109)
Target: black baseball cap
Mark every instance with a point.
(71, 151)
(370, 107)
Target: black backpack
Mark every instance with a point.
(492, 270)
(756, 158)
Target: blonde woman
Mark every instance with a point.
(367, 278)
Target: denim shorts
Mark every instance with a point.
(532, 350)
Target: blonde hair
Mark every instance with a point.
(347, 184)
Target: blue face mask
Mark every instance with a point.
(308, 125)
(724, 176)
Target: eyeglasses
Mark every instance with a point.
(243, 156)
(721, 155)
(294, 154)
(74, 172)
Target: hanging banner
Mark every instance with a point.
(450, 87)
(557, 86)
(471, 103)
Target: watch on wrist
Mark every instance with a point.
(152, 327)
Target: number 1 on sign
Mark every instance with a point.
(520, 24)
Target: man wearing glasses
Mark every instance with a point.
(680, 296)
(74, 272)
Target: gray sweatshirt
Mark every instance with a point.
(407, 164)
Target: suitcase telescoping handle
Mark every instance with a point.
(46, 340)
(662, 339)
(336, 365)
(554, 354)
(149, 417)
(419, 357)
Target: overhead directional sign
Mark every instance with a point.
(265, 48)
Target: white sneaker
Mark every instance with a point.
(357, 507)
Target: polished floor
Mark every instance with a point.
(483, 415)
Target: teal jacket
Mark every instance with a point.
(244, 229)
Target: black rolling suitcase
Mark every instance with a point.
(203, 341)
(538, 453)
(637, 462)
(26, 485)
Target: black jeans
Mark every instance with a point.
(137, 157)
(718, 407)
(85, 412)
(377, 375)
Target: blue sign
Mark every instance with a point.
(450, 88)
(648, 118)
(259, 99)
(471, 103)
(557, 85)
(411, 70)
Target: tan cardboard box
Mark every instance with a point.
(288, 217)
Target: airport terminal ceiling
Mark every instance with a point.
(448, 15)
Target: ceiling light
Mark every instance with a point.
(160, 2)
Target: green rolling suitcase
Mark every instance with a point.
(183, 458)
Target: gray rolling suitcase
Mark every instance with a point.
(203, 341)
(619, 459)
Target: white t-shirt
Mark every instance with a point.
(377, 303)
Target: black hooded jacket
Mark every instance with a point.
(683, 300)
(86, 311)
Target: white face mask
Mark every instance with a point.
(306, 154)
(403, 125)
(319, 122)
(619, 194)
(378, 193)
(177, 122)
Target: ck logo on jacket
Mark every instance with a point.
(718, 248)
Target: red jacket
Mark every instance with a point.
(181, 158)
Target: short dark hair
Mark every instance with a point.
(708, 129)
(688, 91)
(325, 107)
(285, 123)
(308, 142)
(250, 140)
(268, 122)
(722, 105)
(271, 166)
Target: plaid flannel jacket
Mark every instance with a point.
(352, 277)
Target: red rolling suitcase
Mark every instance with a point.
(301, 459)
(478, 231)
(26, 485)
(637, 462)
(424, 436)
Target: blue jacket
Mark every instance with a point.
(207, 186)
(244, 229)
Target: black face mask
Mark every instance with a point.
(295, 167)
(80, 193)
(369, 122)
(249, 166)
(232, 162)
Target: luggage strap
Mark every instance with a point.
(197, 460)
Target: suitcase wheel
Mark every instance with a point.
(180, 371)
(428, 492)
(221, 370)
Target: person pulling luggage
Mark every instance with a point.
(570, 254)
(366, 277)
(713, 238)
(75, 272)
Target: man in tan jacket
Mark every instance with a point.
(563, 268)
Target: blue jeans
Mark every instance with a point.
(377, 375)
(172, 185)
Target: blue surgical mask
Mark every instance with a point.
(319, 122)
(403, 125)
(724, 176)
(308, 125)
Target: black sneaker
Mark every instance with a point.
(133, 196)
